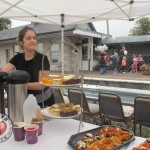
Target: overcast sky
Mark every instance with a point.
(116, 27)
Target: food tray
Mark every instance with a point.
(79, 136)
(143, 145)
(61, 86)
(46, 112)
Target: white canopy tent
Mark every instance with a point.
(67, 12)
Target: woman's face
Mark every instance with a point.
(29, 41)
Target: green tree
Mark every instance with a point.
(142, 27)
(5, 24)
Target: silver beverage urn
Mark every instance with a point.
(17, 93)
(2, 100)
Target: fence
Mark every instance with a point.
(92, 75)
(131, 62)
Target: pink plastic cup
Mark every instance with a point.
(31, 133)
(19, 132)
(40, 124)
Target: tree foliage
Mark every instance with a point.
(5, 24)
(142, 27)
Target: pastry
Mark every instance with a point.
(68, 113)
(63, 110)
(57, 81)
(71, 76)
(70, 105)
(78, 108)
(55, 112)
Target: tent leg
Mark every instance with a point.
(62, 49)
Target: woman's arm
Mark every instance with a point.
(37, 85)
(8, 67)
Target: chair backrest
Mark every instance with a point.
(75, 97)
(58, 95)
(142, 110)
(110, 107)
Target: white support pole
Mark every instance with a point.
(62, 41)
(107, 24)
(62, 49)
(91, 47)
(89, 53)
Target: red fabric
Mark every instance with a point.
(134, 65)
(106, 58)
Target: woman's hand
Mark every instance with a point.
(37, 85)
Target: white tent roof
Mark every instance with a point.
(75, 11)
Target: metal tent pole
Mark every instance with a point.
(62, 42)
(107, 23)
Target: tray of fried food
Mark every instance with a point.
(101, 138)
(143, 146)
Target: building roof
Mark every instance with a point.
(127, 39)
(40, 29)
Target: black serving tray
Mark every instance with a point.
(79, 136)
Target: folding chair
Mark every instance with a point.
(88, 108)
(111, 108)
(141, 112)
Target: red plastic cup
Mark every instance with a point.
(19, 132)
(31, 133)
(40, 124)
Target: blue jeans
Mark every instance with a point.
(115, 69)
(103, 70)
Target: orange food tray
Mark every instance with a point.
(145, 145)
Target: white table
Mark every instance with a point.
(56, 135)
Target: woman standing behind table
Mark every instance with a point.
(31, 61)
(114, 61)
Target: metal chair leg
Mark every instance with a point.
(140, 130)
(134, 128)
(95, 118)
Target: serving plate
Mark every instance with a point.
(144, 145)
(61, 86)
(79, 136)
(46, 112)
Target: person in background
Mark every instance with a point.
(31, 61)
(115, 61)
(135, 63)
(106, 58)
(123, 65)
(122, 54)
(103, 62)
(140, 59)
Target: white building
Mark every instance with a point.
(83, 36)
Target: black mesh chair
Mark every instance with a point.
(141, 112)
(58, 95)
(111, 108)
(88, 108)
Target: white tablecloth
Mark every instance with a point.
(56, 134)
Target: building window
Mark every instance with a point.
(40, 47)
(84, 53)
(54, 53)
(7, 55)
(16, 49)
